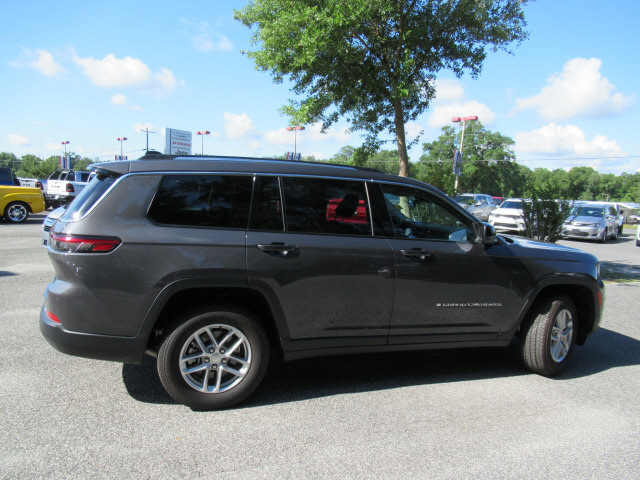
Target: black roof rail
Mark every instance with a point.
(153, 155)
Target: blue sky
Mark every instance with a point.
(90, 72)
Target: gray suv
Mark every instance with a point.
(217, 265)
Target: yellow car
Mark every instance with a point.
(16, 203)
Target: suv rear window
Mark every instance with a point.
(89, 196)
(203, 201)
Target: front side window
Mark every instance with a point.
(203, 201)
(326, 206)
(417, 214)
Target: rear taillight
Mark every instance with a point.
(83, 244)
(70, 188)
(52, 317)
(39, 185)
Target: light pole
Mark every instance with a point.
(64, 162)
(203, 133)
(295, 129)
(458, 164)
(121, 139)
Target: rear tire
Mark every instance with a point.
(214, 359)
(549, 335)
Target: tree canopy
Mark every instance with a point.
(374, 62)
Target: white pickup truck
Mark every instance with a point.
(64, 185)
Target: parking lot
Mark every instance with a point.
(468, 414)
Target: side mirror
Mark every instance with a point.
(485, 233)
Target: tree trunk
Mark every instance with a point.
(403, 157)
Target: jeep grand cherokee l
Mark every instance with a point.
(216, 265)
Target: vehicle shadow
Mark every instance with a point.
(322, 377)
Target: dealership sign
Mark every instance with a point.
(178, 142)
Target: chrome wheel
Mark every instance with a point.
(561, 335)
(215, 358)
(16, 212)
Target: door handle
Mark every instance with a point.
(416, 253)
(281, 248)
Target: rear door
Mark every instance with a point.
(311, 249)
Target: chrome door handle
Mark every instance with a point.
(281, 248)
(416, 253)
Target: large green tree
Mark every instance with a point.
(488, 163)
(374, 62)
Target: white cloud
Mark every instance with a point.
(580, 90)
(122, 100)
(115, 72)
(311, 133)
(556, 139)
(111, 72)
(204, 39)
(17, 140)
(448, 90)
(41, 60)
(442, 114)
(238, 126)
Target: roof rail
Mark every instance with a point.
(153, 155)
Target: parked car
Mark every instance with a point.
(215, 265)
(48, 223)
(477, 204)
(591, 222)
(508, 217)
(7, 177)
(64, 185)
(16, 203)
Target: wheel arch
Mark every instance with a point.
(173, 304)
(583, 299)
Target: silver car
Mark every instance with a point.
(477, 204)
(48, 223)
(591, 222)
(508, 217)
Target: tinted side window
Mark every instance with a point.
(266, 210)
(417, 214)
(203, 201)
(326, 206)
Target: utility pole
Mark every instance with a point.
(147, 132)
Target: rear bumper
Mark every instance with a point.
(100, 347)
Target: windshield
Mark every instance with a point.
(512, 204)
(587, 211)
(465, 199)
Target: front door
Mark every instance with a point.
(449, 288)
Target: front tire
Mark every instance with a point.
(214, 359)
(549, 335)
(16, 212)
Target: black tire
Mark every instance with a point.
(637, 243)
(235, 374)
(603, 238)
(549, 335)
(614, 237)
(16, 212)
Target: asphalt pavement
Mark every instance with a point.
(465, 414)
